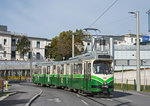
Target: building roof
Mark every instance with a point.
(18, 35)
(132, 35)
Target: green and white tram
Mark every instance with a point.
(90, 73)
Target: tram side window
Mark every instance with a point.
(58, 69)
(78, 69)
(44, 70)
(75, 71)
(48, 69)
(40, 70)
(54, 70)
(89, 68)
(62, 69)
(67, 69)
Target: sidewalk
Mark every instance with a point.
(24, 93)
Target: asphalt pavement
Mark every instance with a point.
(59, 97)
(23, 94)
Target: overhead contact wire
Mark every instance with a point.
(104, 12)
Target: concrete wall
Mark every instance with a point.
(131, 75)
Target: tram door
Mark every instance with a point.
(87, 74)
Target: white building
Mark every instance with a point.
(8, 41)
(129, 39)
(124, 51)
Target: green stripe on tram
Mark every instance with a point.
(110, 79)
(98, 79)
(82, 76)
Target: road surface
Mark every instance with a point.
(59, 97)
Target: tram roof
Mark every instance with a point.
(86, 56)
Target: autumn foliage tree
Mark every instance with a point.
(61, 46)
(23, 45)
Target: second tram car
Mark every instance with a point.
(86, 73)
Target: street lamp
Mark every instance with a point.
(138, 78)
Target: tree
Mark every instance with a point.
(48, 51)
(61, 46)
(23, 45)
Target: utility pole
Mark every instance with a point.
(73, 45)
(138, 76)
(138, 53)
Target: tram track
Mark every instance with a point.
(90, 98)
(105, 101)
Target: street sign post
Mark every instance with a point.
(145, 38)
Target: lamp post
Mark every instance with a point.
(138, 77)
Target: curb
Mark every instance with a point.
(4, 97)
(33, 98)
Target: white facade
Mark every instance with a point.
(125, 54)
(8, 43)
(5, 46)
(129, 39)
(131, 76)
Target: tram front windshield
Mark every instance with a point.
(102, 67)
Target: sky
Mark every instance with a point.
(48, 18)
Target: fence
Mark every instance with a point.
(129, 84)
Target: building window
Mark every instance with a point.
(13, 42)
(5, 41)
(37, 55)
(4, 55)
(13, 54)
(38, 44)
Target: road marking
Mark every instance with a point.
(109, 99)
(78, 95)
(126, 99)
(55, 100)
(84, 102)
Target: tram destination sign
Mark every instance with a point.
(103, 56)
